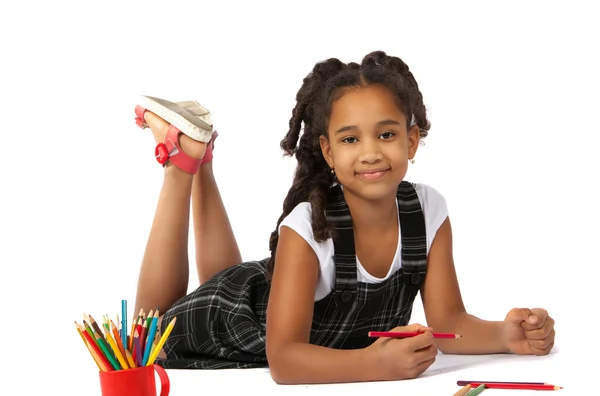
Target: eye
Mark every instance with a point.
(388, 134)
(349, 139)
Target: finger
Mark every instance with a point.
(540, 315)
(422, 367)
(419, 342)
(415, 327)
(429, 352)
(518, 315)
(542, 351)
(540, 333)
(543, 343)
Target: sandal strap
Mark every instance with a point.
(139, 119)
(172, 152)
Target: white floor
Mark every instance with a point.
(562, 367)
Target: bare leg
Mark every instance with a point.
(216, 247)
(164, 273)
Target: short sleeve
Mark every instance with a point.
(299, 220)
(435, 210)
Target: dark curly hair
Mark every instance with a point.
(325, 84)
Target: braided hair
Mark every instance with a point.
(322, 86)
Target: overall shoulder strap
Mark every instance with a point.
(338, 216)
(414, 235)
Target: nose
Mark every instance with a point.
(370, 152)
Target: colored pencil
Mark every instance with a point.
(130, 359)
(117, 339)
(124, 322)
(477, 390)
(161, 342)
(117, 352)
(150, 339)
(95, 347)
(144, 333)
(94, 356)
(88, 329)
(396, 334)
(517, 386)
(138, 349)
(95, 327)
(130, 340)
(463, 382)
(463, 390)
(105, 348)
(112, 348)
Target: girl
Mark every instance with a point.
(354, 246)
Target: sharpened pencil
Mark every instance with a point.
(463, 382)
(397, 334)
(96, 358)
(463, 391)
(477, 390)
(490, 385)
(161, 342)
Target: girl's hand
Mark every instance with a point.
(528, 331)
(404, 358)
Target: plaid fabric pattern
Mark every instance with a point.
(222, 324)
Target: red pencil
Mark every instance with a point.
(463, 382)
(491, 385)
(397, 334)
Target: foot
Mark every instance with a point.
(191, 147)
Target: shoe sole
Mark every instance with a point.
(191, 118)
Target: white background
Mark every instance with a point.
(512, 92)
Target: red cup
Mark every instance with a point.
(137, 381)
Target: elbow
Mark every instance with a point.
(279, 369)
(279, 373)
(278, 377)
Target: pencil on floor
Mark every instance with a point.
(515, 386)
(463, 391)
(476, 391)
(464, 382)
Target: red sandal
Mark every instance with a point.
(189, 118)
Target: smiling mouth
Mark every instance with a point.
(374, 174)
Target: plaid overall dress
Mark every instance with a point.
(222, 324)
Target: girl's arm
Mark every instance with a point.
(444, 308)
(292, 360)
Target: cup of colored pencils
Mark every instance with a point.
(117, 348)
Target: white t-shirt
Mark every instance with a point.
(434, 209)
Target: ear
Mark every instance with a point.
(414, 136)
(326, 150)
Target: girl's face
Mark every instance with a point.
(369, 145)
